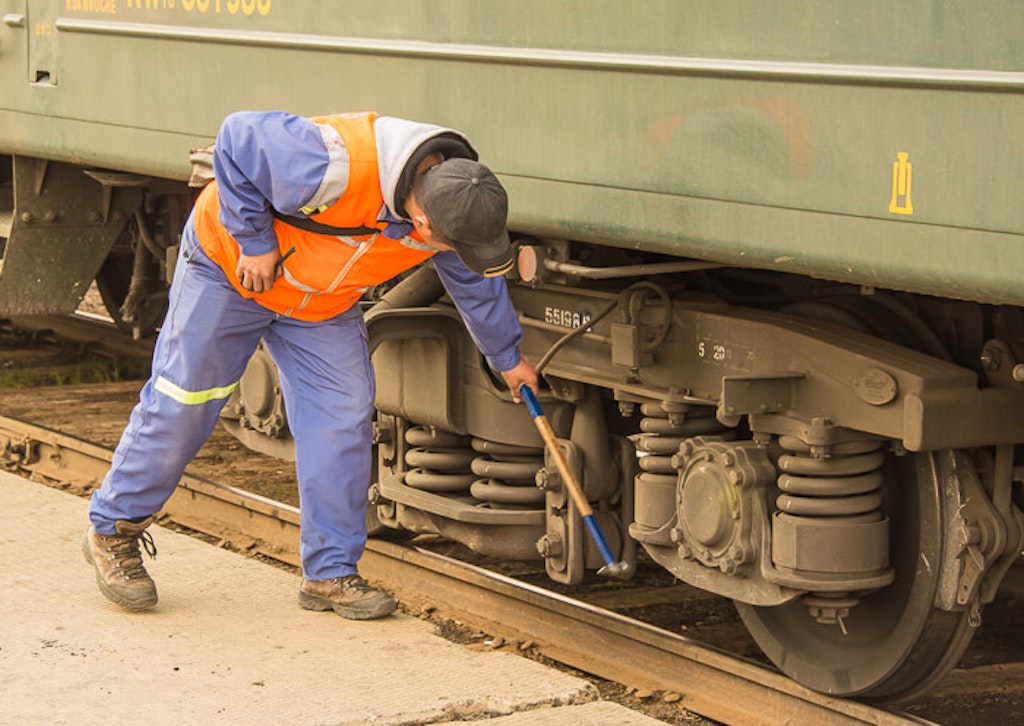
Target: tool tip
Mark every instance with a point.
(615, 569)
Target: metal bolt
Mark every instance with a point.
(547, 481)
(28, 217)
(382, 434)
(550, 545)
(831, 616)
(991, 359)
(969, 534)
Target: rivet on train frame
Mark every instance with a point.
(902, 171)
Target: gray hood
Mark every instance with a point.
(397, 140)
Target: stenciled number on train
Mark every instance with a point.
(231, 7)
(565, 318)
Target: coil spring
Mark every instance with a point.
(438, 460)
(499, 474)
(663, 431)
(509, 474)
(846, 484)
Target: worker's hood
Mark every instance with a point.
(398, 141)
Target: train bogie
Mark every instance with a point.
(808, 488)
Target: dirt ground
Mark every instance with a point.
(98, 412)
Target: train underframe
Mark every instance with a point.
(841, 462)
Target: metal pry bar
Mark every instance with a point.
(612, 568)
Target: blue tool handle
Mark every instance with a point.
(598, 537)
(531, 401)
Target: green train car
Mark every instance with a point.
(767, 257)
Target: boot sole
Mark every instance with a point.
(134, 605)
(351, 612)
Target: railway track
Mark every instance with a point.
(714, 684)
(988, 686)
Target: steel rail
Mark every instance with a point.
(87, 328)
(714, 684)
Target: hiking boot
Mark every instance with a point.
(118, 562)
(350, 596)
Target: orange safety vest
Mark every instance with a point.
(326, 274)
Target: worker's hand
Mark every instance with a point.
(522, 373)
(257, 274)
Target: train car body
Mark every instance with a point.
(767, 257)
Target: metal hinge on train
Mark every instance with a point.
(983, 539)
(567, 551)
(562, 544)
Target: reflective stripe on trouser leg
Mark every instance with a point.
(206, 340)
(328, 387)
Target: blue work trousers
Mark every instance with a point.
(326, 377)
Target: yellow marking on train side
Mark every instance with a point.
(902, 172)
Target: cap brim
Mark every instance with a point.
(490, 260)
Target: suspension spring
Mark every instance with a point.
(438, 461)
(845, 484)
(494, 473)
(830, 535)
(663, 427)
(507, 474)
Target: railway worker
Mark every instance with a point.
(394, 194)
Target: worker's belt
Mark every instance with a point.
(311, 225)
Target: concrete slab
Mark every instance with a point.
(229, 644)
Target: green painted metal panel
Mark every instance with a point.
(869, 142)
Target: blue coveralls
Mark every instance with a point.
(326, 378)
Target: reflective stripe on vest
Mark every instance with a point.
(361, 249)
(335, 179)
(192, 398)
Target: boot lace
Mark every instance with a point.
(355, 584)
(124, 551)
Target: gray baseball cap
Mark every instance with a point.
(468, 206)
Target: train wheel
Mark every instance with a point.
(114, 281)
(897, 644)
